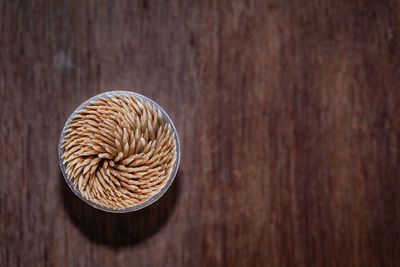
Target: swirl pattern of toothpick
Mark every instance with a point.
(119, 151)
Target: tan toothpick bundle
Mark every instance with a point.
(118, 150)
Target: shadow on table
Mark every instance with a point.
(117, 230)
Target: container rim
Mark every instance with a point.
(154, 197)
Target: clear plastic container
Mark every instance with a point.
(150, 200)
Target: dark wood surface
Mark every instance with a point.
(288, 114)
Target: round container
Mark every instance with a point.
(150, 200)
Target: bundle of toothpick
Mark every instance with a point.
(119, 151)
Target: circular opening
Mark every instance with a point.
(144, 203)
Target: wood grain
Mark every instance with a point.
(288, 115)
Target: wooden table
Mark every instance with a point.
(288, 114)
